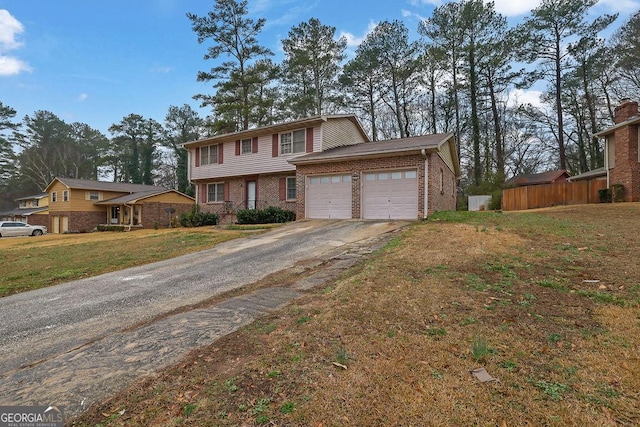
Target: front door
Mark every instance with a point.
(251, 194)
(115, 215)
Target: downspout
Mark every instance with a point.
(606, 160)
(423, 152)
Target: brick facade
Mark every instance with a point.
(79, 222)
(267, 193)
(627, 167)
(438, 198)
(155, 213)
(442, 186)
(39, 220)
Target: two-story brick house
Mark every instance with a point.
(324, 167)
(622, 150)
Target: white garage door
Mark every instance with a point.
(390, 195)
(329, 197)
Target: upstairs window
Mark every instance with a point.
(93, 195)
(293, 142)
(209, 155)
(54, 197)
(246, 146)
(65, 196)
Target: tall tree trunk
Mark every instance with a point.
(497, 131)
(558, 88)
(396, 103)
(594, 145)
(475, 124)
(372, 110)
(432, 82)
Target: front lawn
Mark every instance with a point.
(547, 302)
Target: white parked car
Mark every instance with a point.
(17, 228)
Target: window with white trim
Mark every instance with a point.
(293, 142)
(93, 195)
(54, 196)
(291, 188)
(246, 146)
(215, 192)
(65, 196)
(209, 155)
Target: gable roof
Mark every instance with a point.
(594, 173)
(86, 184)
(34, 197)
(24, 211)
(631, 121)
(536, 178)
(391, 147)
(276, 128)
(140, 195)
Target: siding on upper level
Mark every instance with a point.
(333, 132)
(445, 155)
(247, 164)
(340, 132)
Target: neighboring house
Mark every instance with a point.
(549, 177)
(622, 153)
(324, 167)
(77, 205)
(31, 210)
(593, 175)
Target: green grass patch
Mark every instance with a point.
(552, 284)
(555, 391)
(604, 298)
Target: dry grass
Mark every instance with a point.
(392, 343)
(28, 263)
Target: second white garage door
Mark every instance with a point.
(329, 197)
(390, 195)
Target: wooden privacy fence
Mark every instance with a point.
(546, 195)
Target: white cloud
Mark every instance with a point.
(520, 97)
(516, 7)
(354, 41)
(161, 69)
(10, 66)
(622, 6)
(82, 97)
(9, 28)
(506, 7)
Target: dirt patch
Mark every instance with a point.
(547, 302)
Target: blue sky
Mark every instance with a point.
(96, 62)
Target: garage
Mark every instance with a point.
(329, 197)
(390, 194)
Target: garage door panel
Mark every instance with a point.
(329, 197)
(390, 195)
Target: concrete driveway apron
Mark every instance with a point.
(74, 344)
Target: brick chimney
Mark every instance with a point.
(626, 169)
(626, 110)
